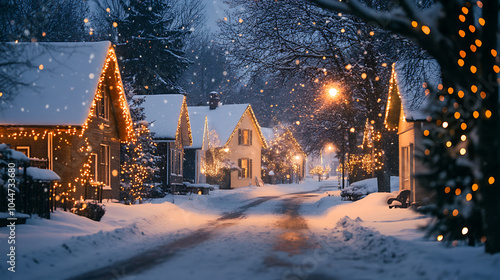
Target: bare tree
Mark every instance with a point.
(308, 50)
(462, 148)
(34, 21)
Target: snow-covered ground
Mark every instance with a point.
(296, 231)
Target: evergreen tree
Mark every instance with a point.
(139, 160)
(150, 37)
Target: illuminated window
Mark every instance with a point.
(102, 106)
(245, 166)
(104, 168)
(244, 137)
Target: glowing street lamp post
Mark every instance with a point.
(333, 92)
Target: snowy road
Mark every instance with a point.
(287, 232)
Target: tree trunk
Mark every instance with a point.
(384, 176)
(383, 181)
(488, 153)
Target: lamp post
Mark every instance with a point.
(333, 93)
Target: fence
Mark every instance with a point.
(33, 196)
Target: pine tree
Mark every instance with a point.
(139, 160)
(150, 46)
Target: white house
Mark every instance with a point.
(234, 128)
(410, 83)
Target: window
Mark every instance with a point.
(176, 161)
(24, 149)
(93, 168)
(244, 137)
(102, 106)
(245, 166)
(104, 168)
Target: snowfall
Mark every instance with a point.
(293, 231)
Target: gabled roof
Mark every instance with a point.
(269, 134)
(199, 128)
(224, 120)
(63, 83)
(410, 84)
(165, 113)
(63, 90)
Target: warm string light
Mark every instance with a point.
(259, 130)
(283, 155)
(125, 112)
(392, 86)
(62, 135)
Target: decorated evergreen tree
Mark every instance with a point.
(217, 164)
(139, 160)
(281, 157)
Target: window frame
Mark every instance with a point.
(22, 149)
(242, 141)
(103, 105)
(105, 165)
(94, 167)
(176, 162)
(245, 172)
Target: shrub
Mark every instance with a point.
(91, 210)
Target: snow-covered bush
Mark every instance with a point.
(91, 210)
(363, 188)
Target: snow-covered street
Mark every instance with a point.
(298, 231)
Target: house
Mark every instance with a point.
(410, 83)
(72, 116)
(284, 157)
(167, 115)
(234, 134)
(195, 154)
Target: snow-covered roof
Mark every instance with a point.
(42, 174)
(13, 154)
(223, 120)
(278, 133)
(268, 133)
(198, 122)
(413, 77)
(410, 84)
(163, 113)
(62, 83)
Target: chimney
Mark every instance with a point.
(213, 101)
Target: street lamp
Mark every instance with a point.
(333, 93)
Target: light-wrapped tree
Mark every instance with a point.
(462, 141)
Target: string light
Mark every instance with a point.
(63, 136)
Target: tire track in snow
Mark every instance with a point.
(161, 254)
(151, 258)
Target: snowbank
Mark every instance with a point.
(71, 241)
